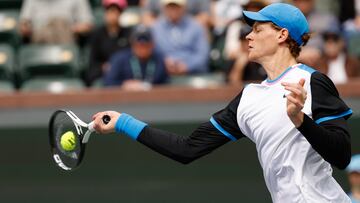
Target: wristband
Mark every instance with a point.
(129, 125)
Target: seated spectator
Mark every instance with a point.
(335, 62)
(107, 39)
(139, 67)
(181, 40)
(199, 9)
(353, 170)
(241, 69)
(54, 21)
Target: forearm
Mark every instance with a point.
(330, 139)
(184, 149)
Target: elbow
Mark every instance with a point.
(185, 160)
(345, 159)
(343, 164)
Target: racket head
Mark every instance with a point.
(61, 123)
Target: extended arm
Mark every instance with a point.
(184, 149)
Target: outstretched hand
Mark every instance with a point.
(100, 126)
(295, 101)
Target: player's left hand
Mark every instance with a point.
(295, 101)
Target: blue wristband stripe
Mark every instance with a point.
(129, 125)
(222, 130)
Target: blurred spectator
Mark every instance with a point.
(223, 12)
(181, 40)
(139, 67)
(241, 69)
(107, 39)
(335, 62)
(352, 26)
(232, 45)
(54, 21)
(353, 170)
(200, 9)
(318, 23)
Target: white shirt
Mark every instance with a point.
(337, 72)
(293, 170)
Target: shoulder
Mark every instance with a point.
(121, 55)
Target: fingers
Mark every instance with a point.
(99, 124)
(302, 82)
(297, 89)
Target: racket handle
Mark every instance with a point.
(106, 119)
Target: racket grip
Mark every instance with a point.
(106, 119)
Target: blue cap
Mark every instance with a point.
(354, 165)
(283, 15)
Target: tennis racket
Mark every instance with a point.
(68, 137)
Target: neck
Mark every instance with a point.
(113, 29)
(276, 64)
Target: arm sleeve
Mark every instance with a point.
(328, 132)
(330, 139)
(206, 138)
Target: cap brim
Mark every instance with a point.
(252, 17)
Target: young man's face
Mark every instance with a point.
(262, 41)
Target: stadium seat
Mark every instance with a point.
(95, 3)
(199, 81)
(7, 62)
(353, 46)
(6, 86)
(217, 58)
(49, 60)
(8, 27)
(53, 85)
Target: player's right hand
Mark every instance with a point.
(100, 126)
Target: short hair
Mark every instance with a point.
(294, 47)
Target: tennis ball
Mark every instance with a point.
(67, 141)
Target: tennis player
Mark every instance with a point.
(295, 117)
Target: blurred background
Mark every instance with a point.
(171, 63)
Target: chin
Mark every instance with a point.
(252, 58)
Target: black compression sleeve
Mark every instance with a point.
(330, 139)
(184, 149)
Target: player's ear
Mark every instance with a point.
(283, 35)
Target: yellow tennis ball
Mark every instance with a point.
(68, 141)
